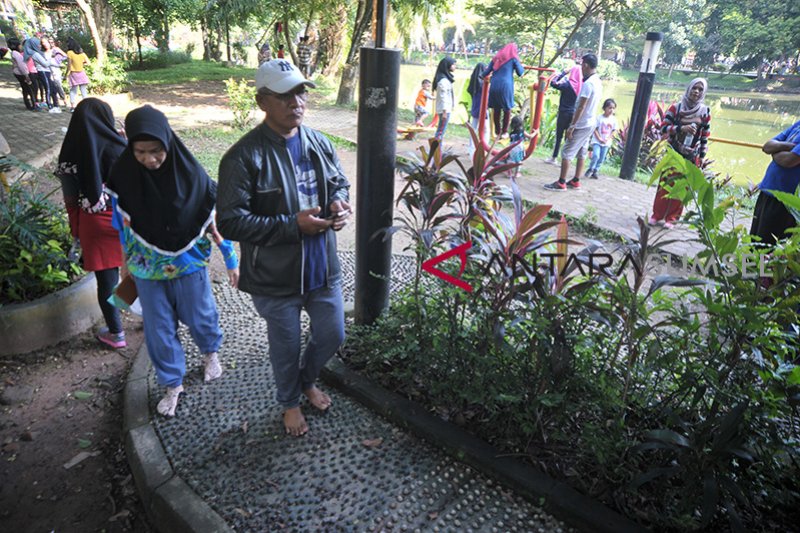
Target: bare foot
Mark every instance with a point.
(317, 398)
(295, 422)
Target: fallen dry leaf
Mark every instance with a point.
(244, 427)
(372, 443)
(122, 514)
(79, 458)
(242, 512)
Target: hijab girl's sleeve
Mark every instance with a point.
(518, 68)
(488, 70)
(228, 252)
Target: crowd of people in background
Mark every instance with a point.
(38, 63)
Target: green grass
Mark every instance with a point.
(193, 71)
(209, 144)
(716, 80)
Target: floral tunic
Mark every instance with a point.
(146, 263)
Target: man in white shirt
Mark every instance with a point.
(582, 126)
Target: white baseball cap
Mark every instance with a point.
(279, 76)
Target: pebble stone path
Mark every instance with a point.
(354, 471)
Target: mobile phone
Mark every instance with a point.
(340, 214)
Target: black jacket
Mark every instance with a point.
(257, 205)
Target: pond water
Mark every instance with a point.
(739, 116)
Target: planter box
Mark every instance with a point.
(49, 320)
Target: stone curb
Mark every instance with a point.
(46, 321)
(171, 505)
(556, 497)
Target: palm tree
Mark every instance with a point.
(461, 18)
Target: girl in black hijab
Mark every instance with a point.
(164, 209)
(91, 146)
(475, 88)
(443, 86)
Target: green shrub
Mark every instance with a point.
(153, 59)
(608, 70)
(34, 241)
(671, 397)
(241, 100)
(111, 78)
(83, 38)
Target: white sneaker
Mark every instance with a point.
(55, 110)
(213, 370)
(168, 404)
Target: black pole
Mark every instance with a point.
(641, 101)
(379, 83)
(380, 24)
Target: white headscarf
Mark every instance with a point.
(699, 109)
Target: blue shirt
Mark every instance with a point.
(778, 178)
(315, 258)
(146, 263)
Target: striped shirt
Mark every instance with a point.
(671, 127)
(304, 54)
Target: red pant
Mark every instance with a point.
(666, 209)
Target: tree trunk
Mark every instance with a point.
(98, 41)
(138, 33)
(544, 41)
(347, 87)
(103, 17)
(588, 12)
(362, 22)
(289, 43)
(602, 36)
(227, 40)
(330, 50)
(162, 33)
(206, 40)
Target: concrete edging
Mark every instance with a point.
(171, 505)
(558, 498)
(26, 327)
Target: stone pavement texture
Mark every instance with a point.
(34, 136)
(224, 461)
(354, 471)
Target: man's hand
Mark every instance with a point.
(786, 159)
(340, 213)
(310, 224)
(689, 128)
(233, 277)
(570, 132)
(773, 147)
(215, 235)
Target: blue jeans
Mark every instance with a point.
(599, 153)
(294, 374)
(442, 126)
(164, 302)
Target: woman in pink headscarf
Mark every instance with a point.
(501, 92)
(569, 84)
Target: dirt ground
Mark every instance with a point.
(58, 405)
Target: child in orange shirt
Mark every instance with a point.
(421, 104)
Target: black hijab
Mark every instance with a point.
(475, 81)
(443, 71)
(168, 208)
(90, 147)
